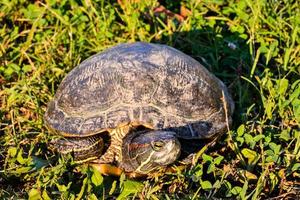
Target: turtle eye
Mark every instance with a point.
(157, 145)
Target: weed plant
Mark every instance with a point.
(252, 46)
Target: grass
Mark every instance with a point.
(253, 46)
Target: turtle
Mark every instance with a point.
(130, 105)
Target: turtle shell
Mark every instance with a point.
(140, 83)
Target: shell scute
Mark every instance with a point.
(93, 124)
(152, 115)
(71, 125)
(117, 116)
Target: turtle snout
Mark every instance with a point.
(170, 153)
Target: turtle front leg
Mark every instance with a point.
(113, 154)
(110, 156)
(105, 164)
(108, 162)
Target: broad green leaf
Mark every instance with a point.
(247, 174)
(236, 190)
(26, 68)
(205, 185)
(249, 140)
(272, 158)
(20, 158)
(269, 106)
(296, 167)
(241, 130)
(218, 160)
(92, 197)
(12, 151)
(217, 184)
(198, 170)
(258, 137)
(45, 195)
(251, 155)
(130, 187)
(32, 11)
(263, 49)
(34, 194)
(63, 188)
(240, 140)
(269, 152)
(268, 139)
(206, 158)
(285, 135)
(11, 68)
(282, 85)
(211, 168)
(275, 147)
(96, 178)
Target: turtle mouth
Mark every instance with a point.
(170, 154)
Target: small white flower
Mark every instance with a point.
(231, 45)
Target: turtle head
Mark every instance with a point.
(148, 150)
